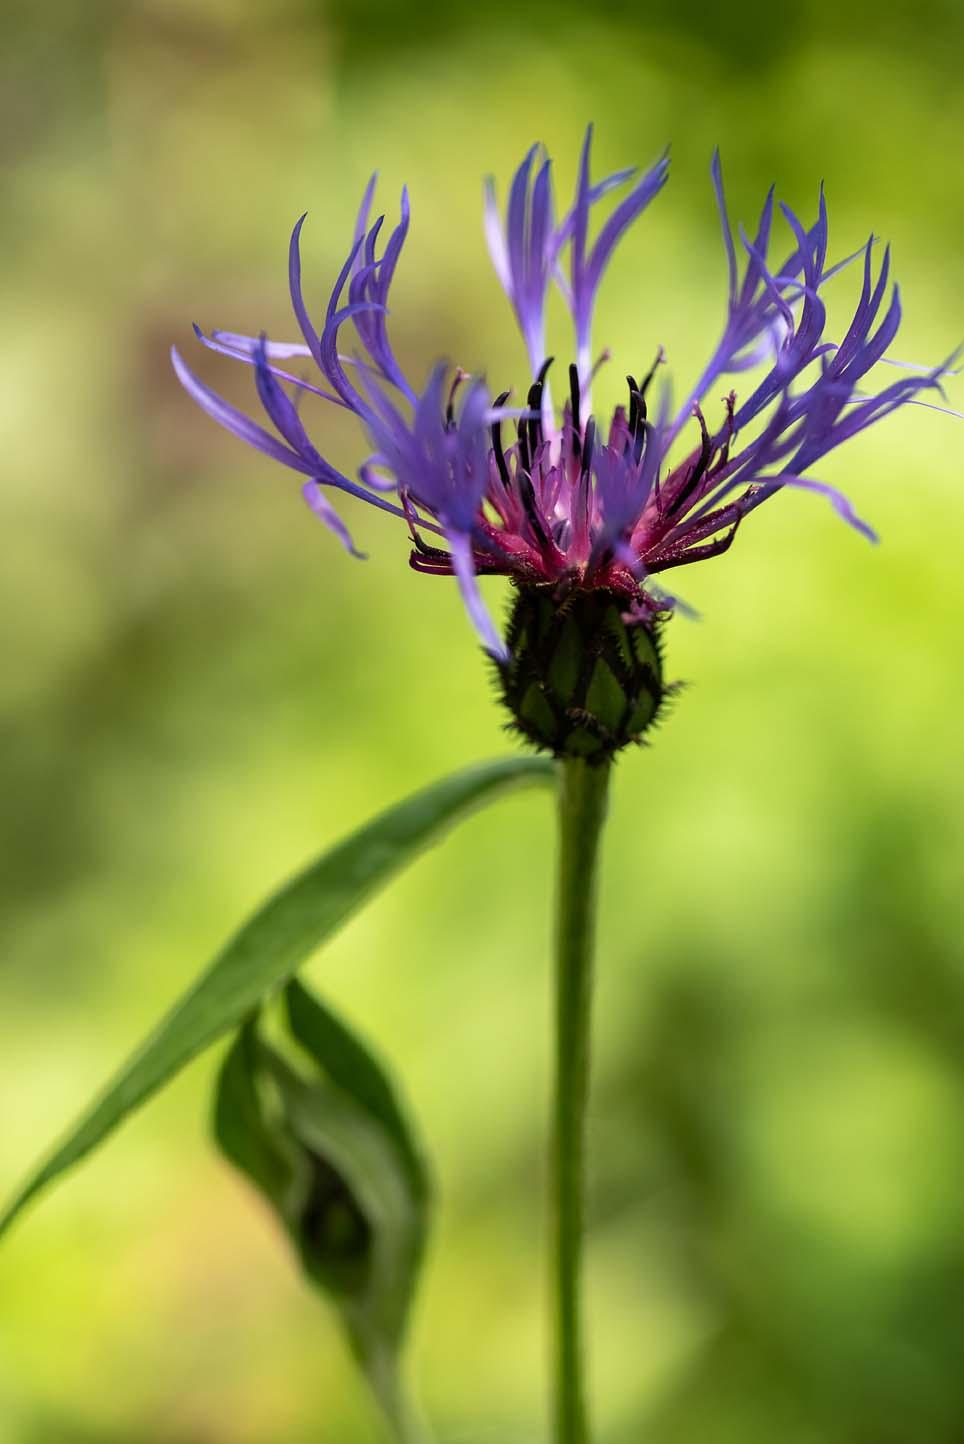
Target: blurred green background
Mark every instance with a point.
(200, 689)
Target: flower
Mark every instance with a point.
(566, 503)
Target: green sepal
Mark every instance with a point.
(581, 680)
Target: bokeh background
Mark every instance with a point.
(199, 690)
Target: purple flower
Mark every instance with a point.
(559, 499)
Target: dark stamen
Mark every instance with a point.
(535, 404)
(411, 516)
(642, 432)
(637, 422)
(423, 549)
(525, 460)
(497, 443)
(651, 372)
(725, 448)
(534, 423)
(575, 398)
(633, 404)
(590, 442)
(460, 376)
(702, 461)
(528, 495)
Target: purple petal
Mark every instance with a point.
(495, 239)
(218, 342)
(374, 329)
(275, 350)
(866, 312)
(323, 509)
(281, 409)
(622, 217)
(469, 588)
(762, 273)
(840, 503)
(758, 253)
(716, 171)
(516, 224)
(361, 222)
(932, 406)
(297, 299)
(916, 366)
(233, 420)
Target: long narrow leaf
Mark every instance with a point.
(276, 941)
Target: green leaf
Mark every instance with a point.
(318, 1129)
(240, 1126)
(275, 942)
(352, 1067)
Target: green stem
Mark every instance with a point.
(582, 809)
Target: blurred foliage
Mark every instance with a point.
(200, 690)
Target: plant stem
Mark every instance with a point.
(582, 809)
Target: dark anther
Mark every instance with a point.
(544, 370)
(525, 459)
(590, 442)
(637, 421)
(460, 376)
(527, 492)
(725, 448)
(534, 423)
(638, 412)
(575, 398)
(435, 554)
(637, 416)
(651, 372)
(702, 461)
(535, 404)
(633, 403)
(497, 442)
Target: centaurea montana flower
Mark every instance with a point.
(575, 513)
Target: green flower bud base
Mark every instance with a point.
(581, 682)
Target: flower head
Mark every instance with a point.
(561, 500)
